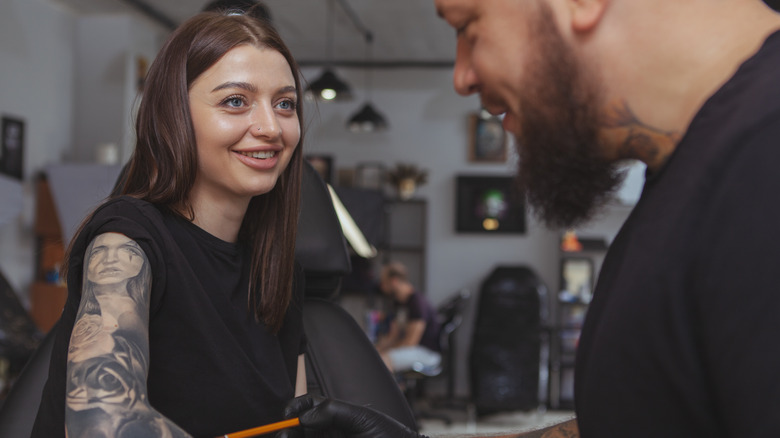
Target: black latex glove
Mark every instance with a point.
(322, 417)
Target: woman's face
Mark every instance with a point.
(246, 125)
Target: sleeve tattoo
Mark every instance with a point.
(108, 354)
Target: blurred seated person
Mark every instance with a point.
(412, 340)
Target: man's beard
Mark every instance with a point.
(562, 169)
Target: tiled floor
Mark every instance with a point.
(465, 423)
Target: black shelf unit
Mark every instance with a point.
(578, 272)
(405, 238)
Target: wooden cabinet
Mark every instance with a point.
(47, 293)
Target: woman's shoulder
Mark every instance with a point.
(123, 203)
(128, 208)
(130, 216)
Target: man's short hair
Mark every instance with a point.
(396, 270)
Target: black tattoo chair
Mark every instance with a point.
(341, 362)
(20, 341)
(18, 411)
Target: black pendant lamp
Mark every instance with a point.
(367, 119)
(328, 87)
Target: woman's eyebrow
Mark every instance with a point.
(243, 85)
(287, 89)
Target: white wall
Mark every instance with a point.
(37, 71)
(71, 79)
(107, 52)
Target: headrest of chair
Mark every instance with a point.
(319, 247)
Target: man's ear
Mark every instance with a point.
(586, 14)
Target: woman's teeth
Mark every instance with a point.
(261, 155)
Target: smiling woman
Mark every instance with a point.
(184, 310)
(246, 130)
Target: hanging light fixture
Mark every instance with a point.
(367, 119)
(328, 87)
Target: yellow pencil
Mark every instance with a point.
(268, 428)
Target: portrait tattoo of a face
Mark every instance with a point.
(108, 354)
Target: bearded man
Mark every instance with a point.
(678, 338)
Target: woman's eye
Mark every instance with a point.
(287, 104)
(234, 102)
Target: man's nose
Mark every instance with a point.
(465, 78)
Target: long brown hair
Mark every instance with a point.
(163, 167)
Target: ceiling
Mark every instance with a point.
(405, 32)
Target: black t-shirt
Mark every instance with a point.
(213, 369)
(681, 339)
(419, 308)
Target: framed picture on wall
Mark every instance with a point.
(370, 175)
(12, 147)
(488, 142)
(489, 204)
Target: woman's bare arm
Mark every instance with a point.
(108, 354)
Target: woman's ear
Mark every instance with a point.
(586, 14)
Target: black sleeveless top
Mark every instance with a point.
(213, 369)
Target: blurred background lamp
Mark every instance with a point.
(367, 119)
(329, 87)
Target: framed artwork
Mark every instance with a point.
(323, 164)
(12, 147)
(487, 140)
(489, 204)
(370, 176)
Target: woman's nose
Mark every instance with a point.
(265, 123)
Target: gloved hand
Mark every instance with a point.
(322, 417)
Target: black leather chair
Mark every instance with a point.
(18, 412)
(19, 336)
(20, 342)
(341, 361)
